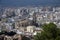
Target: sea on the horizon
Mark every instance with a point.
(17, 3)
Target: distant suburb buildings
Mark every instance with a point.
(27, 21)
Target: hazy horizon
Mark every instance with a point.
(29, 2)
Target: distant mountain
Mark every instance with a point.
(29, 2)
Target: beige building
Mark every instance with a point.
(22, 24)
(30, 28)
(15, 37)
(37, 30)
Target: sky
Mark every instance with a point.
(29, 2)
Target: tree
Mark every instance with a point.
(37, 37)
(25, 38)
(57, 38)
(58, 31)
(51, 29)
(50, 32)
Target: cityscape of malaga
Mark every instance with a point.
(29, 19)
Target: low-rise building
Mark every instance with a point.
(30, 29)
(15, 37)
